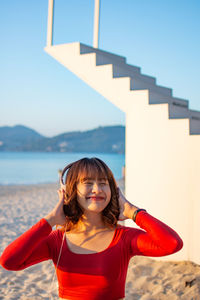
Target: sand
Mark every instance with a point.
(147, 279)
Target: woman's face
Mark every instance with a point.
(93, 194)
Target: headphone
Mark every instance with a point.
(62, 184)
(66, 209)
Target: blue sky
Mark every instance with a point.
(161, 37)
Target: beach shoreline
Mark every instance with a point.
(21, 206)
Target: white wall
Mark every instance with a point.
(162, 171)
(162, 158)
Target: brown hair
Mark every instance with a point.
(89, 167)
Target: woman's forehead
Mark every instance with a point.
(92, 172)
(98, 179)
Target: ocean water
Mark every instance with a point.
(40, 167)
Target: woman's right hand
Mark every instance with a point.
(57, 216)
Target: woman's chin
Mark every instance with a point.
(96, 207)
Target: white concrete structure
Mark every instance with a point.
(162, 140)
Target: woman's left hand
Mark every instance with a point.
(126, 208)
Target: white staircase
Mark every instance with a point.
(162, 138)
(109, 66)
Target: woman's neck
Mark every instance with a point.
(90, 223)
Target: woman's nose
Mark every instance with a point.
(96, 187)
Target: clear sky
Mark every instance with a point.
(161, 37)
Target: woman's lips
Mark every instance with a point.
(96, 198)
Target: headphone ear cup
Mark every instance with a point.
(63, 186)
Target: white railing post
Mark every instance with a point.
(96, 24)
(50, 23)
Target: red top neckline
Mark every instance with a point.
(100, 252)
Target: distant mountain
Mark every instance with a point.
(109, 139)
(17, 138)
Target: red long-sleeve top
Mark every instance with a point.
(93, 276)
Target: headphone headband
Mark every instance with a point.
(63, 186)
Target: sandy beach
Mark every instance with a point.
(147, 279)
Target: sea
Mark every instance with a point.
(18, 168)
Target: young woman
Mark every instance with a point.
(91, 251)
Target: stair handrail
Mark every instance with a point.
(96, 24)
(50, 23)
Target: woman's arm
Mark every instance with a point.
(28, 249)
(157, 239)
(35, 245)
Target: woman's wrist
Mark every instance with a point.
(50, 219)
(130, 210)
(136, 212)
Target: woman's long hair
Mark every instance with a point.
(89, 168)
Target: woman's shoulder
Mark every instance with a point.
(123, 235)
(55, 236)
(124, 231)
(123, 228)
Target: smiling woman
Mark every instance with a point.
(93, 194)
(91, 251)
(90, 185)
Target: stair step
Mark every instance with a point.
(140, 85)
(194, 126)
(101, 60)
(127, 70)
(194, 114)
(177, 112)
(102, 55)
(156, 98)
